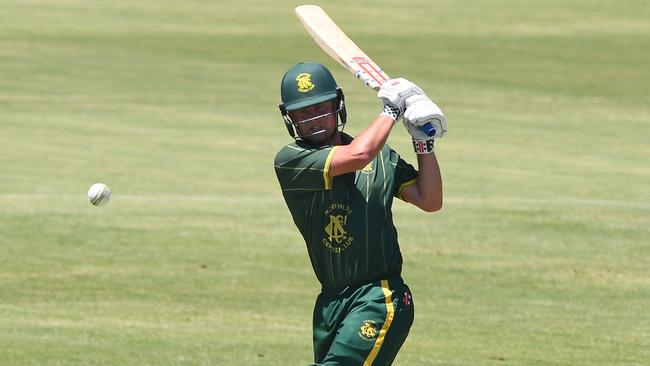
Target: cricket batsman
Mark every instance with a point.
(340, 190)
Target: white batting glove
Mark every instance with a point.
(421, 110)
(394, 93)
(422, 143)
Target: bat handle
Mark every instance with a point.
(428, 129)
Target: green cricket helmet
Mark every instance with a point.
(307, 84)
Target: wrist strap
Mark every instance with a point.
(390, 111)
(423, 146)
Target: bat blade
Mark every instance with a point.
(339, 46)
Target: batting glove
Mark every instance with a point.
(394, 93)
(420, 110)
(422, 143)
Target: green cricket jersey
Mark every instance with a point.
(346, 221)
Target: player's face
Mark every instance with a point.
(316, 123)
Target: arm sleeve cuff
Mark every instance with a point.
(326, 169)
(404, 185)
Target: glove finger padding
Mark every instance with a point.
(414, 99)
(395, 91)
(420, 111)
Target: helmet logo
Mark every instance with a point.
(304, 82)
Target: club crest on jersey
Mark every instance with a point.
(337, 238)
(368, 168)
(304, 82)
(368, 330)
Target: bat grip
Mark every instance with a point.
(428, 129)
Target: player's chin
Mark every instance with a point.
(320, 137)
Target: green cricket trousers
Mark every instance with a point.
(362, 326)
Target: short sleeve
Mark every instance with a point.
(300, 168)
(405, 174)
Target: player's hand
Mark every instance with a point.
(394, 93)
(420, 110)
(422, 143)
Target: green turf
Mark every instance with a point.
(540, 256)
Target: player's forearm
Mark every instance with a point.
(429, 183)
(370, 141)
(362, 149)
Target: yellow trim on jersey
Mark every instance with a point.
(404, 186)
(390, 314)
(326, 169)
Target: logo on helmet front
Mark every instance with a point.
(304, 82)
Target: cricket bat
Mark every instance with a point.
(341, 48)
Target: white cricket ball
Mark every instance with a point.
(99, 194)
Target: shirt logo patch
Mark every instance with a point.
(304, 82)
(336, 234)
(368, 168)
(407, 298)
(368, 330)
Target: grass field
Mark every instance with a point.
(540, 256)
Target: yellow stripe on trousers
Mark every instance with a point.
(390, 313)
